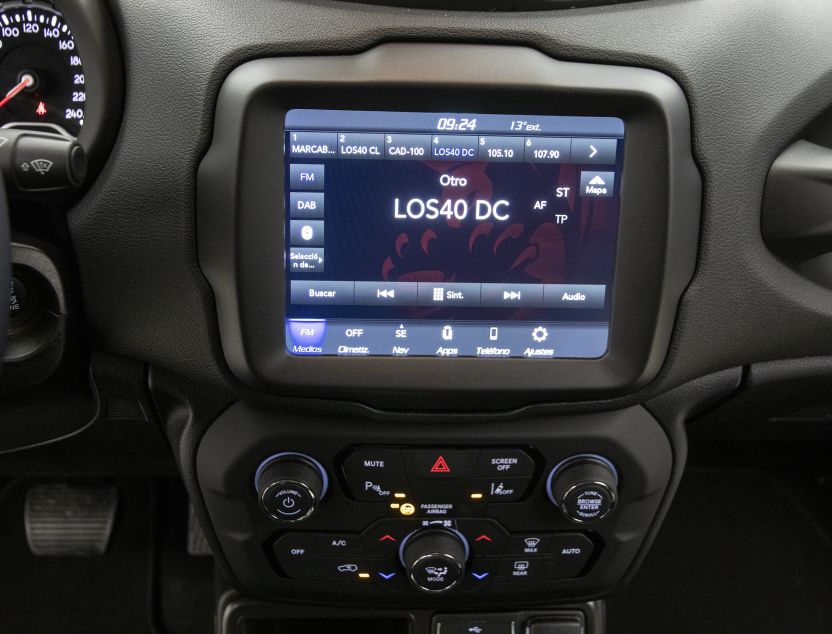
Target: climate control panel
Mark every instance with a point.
(459, 514)
(463, 555)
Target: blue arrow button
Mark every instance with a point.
(480, 575)
(387, 575)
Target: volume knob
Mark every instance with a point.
(290, 486)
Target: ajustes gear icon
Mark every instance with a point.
(540, 334)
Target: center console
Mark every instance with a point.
(363, 511)
(428, 263)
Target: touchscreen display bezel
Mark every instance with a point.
(241, 222)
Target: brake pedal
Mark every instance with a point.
(70, 520)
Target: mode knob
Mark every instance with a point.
(290, 486)
(584, 488)
(434, 558)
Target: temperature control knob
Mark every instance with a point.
(434, 558)
(584, 488)
(290, 486)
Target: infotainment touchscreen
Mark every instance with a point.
(421, 234)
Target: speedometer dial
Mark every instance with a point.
(41, 75)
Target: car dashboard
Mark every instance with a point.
(426, 309)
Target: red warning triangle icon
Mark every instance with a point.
(440, 466)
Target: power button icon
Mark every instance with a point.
(289, 501)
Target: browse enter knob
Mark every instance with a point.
(584, 487)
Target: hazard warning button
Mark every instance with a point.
(440, 464)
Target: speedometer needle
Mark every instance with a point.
(25, 82)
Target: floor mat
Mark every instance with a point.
(737, 553)
(70, 595)
(184, 584)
